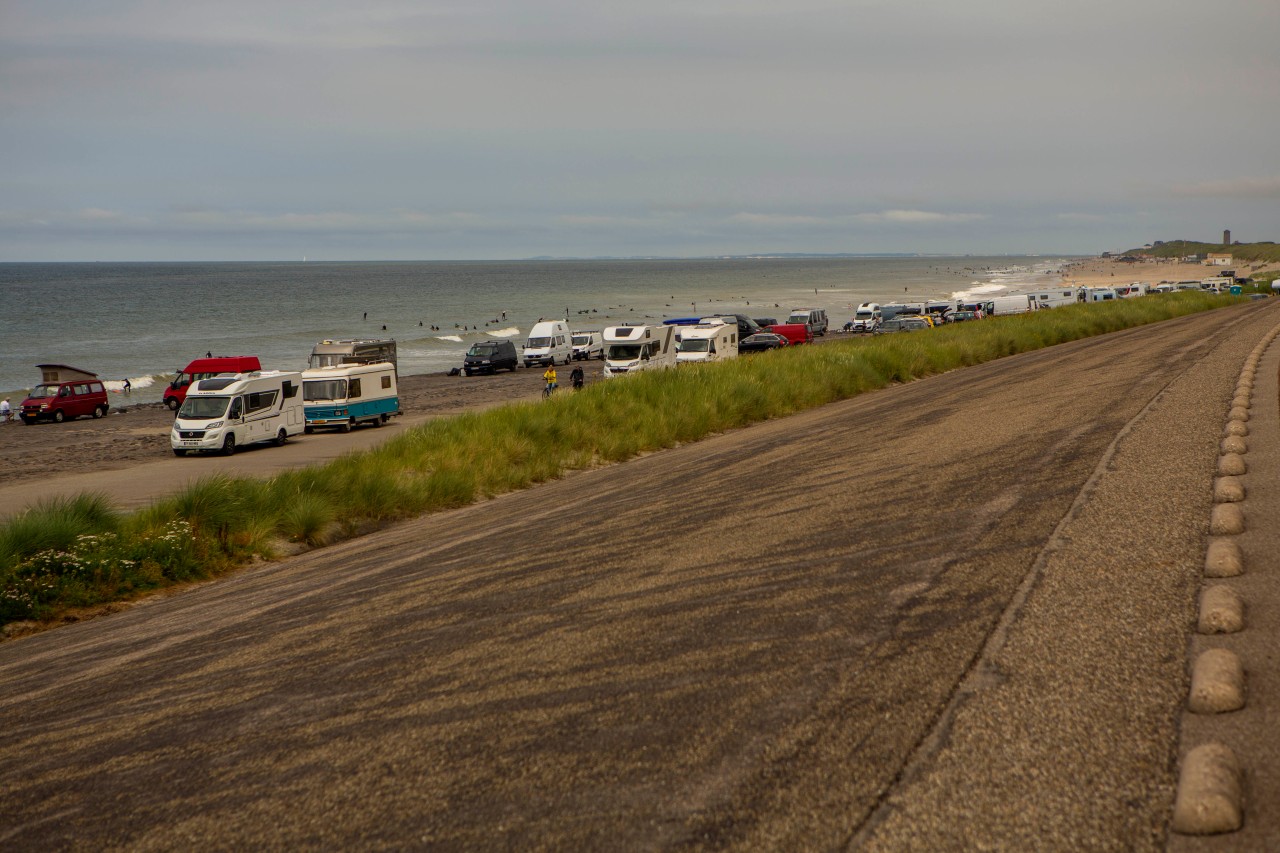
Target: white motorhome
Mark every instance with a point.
(549, 342)
(631, 348)
(234, 409)
(1132, 289)
(1052, 297)
(345, 395)
(866, 318)
(714, 341)
(1099, 294)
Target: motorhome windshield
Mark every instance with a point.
(324, 389)
(483, 349)
(43, 391)
(695, 345)
(203, 408)
(863, 314)
(538, 343)
(624, 352)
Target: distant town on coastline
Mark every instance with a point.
(1226, 252)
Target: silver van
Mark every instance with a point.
(814, 318)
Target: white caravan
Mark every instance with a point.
(234, 409)
(549, 342)
(345, 395)
(1100, 294)
(1132, 289)
(1053, 297)
(631, 348)
(714, 341)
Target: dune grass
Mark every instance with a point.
(61, 554)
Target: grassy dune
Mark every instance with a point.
(67, 553)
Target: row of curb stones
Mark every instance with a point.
(1210, 796)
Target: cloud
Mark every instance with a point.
(1265, 187)
(918, 217)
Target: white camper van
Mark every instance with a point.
(1013, 303)
(345, 395)
(1100, 294)
(234, 409)
(714, 341)
(549, 342)
(631, 348)
(866, 318)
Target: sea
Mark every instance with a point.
(145, 321)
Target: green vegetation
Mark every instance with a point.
(1241, 253)
(63, 554)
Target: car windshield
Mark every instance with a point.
(581, 340)
(695, 345)
(483, 349)
(798, 318)
(43, 391)
(203, 408)
(624, 352)
(538, 343)
(324, 389)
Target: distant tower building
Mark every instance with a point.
(1226, 237)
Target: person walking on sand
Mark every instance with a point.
(6, 413)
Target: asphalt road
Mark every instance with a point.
(905, 621)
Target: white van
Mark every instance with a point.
(713, 341)
(587, 345)
(235, 409)
(631, 348)
(1014, 303)
(1100, 294)
(345, 395)
(549, 342)
(867, 318)
(1053, 297)
(814, 318)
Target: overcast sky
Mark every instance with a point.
(441, 129)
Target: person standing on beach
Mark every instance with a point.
(6, 413)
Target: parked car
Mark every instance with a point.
(64, 394)
(795, 333)
(760, 342)
(490, 357)
(961, 316)
(905, 323)
(587, 345)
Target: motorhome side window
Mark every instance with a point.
(386, 382)
(259, 400)
(290, 390)
(353, 389)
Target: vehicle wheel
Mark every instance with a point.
(27, 420)
(178, 451)
(345, 427)
(384, 419)
(281, 437)
(59, 417)
(466, 372)
(229, 446)
(172, 403)
(308, 429)
(99, 412)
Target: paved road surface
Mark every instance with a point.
(952, 612)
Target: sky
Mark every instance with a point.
(491, 129)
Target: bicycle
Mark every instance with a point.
(548, 388)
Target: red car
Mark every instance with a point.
(795, 333)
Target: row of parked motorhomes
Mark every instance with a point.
(873, 317)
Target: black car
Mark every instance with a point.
(746, 326)
(490, 357)
(760, 342)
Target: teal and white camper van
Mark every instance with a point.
(344, 395)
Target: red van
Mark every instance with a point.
(206, 368)
(795, 333)
(64, 393)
